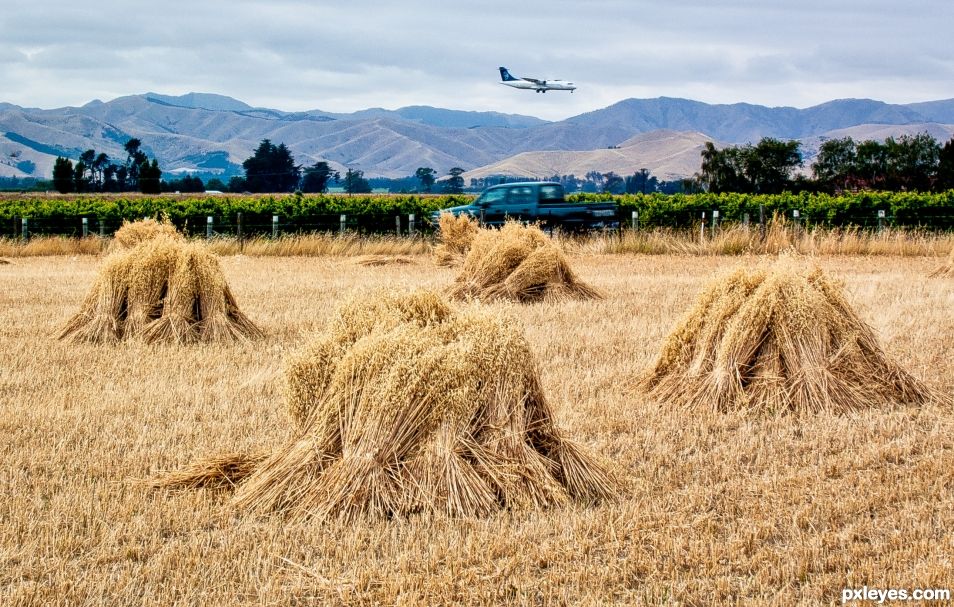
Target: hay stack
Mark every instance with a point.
(457, 232)
(133, 233)
(782, 339)
(407, 406)
(163, 289)
(945, 269)
(519, 263)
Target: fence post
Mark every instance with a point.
(762, 222)
(745, 220)
(102, 229)
(274, 226)
(410, 224)
(715, 221)
(343, 224)
(238, 230)
(702, 228)
(397, 225)
(24, 228)
(880, 220)
(635, 220)
(85, 227)
(208, 227)
(483, 216)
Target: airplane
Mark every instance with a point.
(540, 86)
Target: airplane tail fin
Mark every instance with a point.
(505, 75)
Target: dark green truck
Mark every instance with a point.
(536, 201)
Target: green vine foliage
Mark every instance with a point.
(934, 210)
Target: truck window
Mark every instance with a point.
(551, 193)
(522, 195)
(493, 198)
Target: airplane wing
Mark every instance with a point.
(535, 81)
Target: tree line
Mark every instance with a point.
(98, 173)
(907, 163)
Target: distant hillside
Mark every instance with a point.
(214, 133)
(668, 154)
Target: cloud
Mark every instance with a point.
(299, 55)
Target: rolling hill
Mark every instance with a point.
(213, 134)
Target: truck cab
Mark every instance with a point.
(520, 201)
(536, 201)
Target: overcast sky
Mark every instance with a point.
(347, 56)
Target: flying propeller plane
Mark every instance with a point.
(540, 86)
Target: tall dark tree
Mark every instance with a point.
(455, 184)
(613, 183)
(271, 169)
(134, 159)
(912, 161)
(426, 175)
(150, 177)
(355, 183)
(63, 175)
(315, 178)
(771, 164)
(836, 165)
(641, 182)
(945, 167)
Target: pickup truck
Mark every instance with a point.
(536, 201)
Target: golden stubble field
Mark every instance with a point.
(718, 508)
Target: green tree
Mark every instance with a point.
(641, 182)
(945, 167)
(315, 178)
(216, 185)
(237, 185)
(455, 185)
(271, 169)
(355, 183)
(426, 175)
(836, 165)
(912, 162)
(63, 175)
(134, 159)
(770, 165)
(150, 177)
(613, 183)
(871, 164)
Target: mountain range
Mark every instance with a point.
(212, 134)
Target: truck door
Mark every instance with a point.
(493, 203)
(521, 203)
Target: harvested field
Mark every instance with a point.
(720, 508)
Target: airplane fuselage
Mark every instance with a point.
(540, 86)
(548, 85)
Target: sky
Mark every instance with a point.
(346, 56)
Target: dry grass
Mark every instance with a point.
(776, 340)
(456, 233)
(780, 236)
(517, 263)
(383, 260)
(407, 406)
(723, 508)
(162, 289)
(946, 268)
(322, 245)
